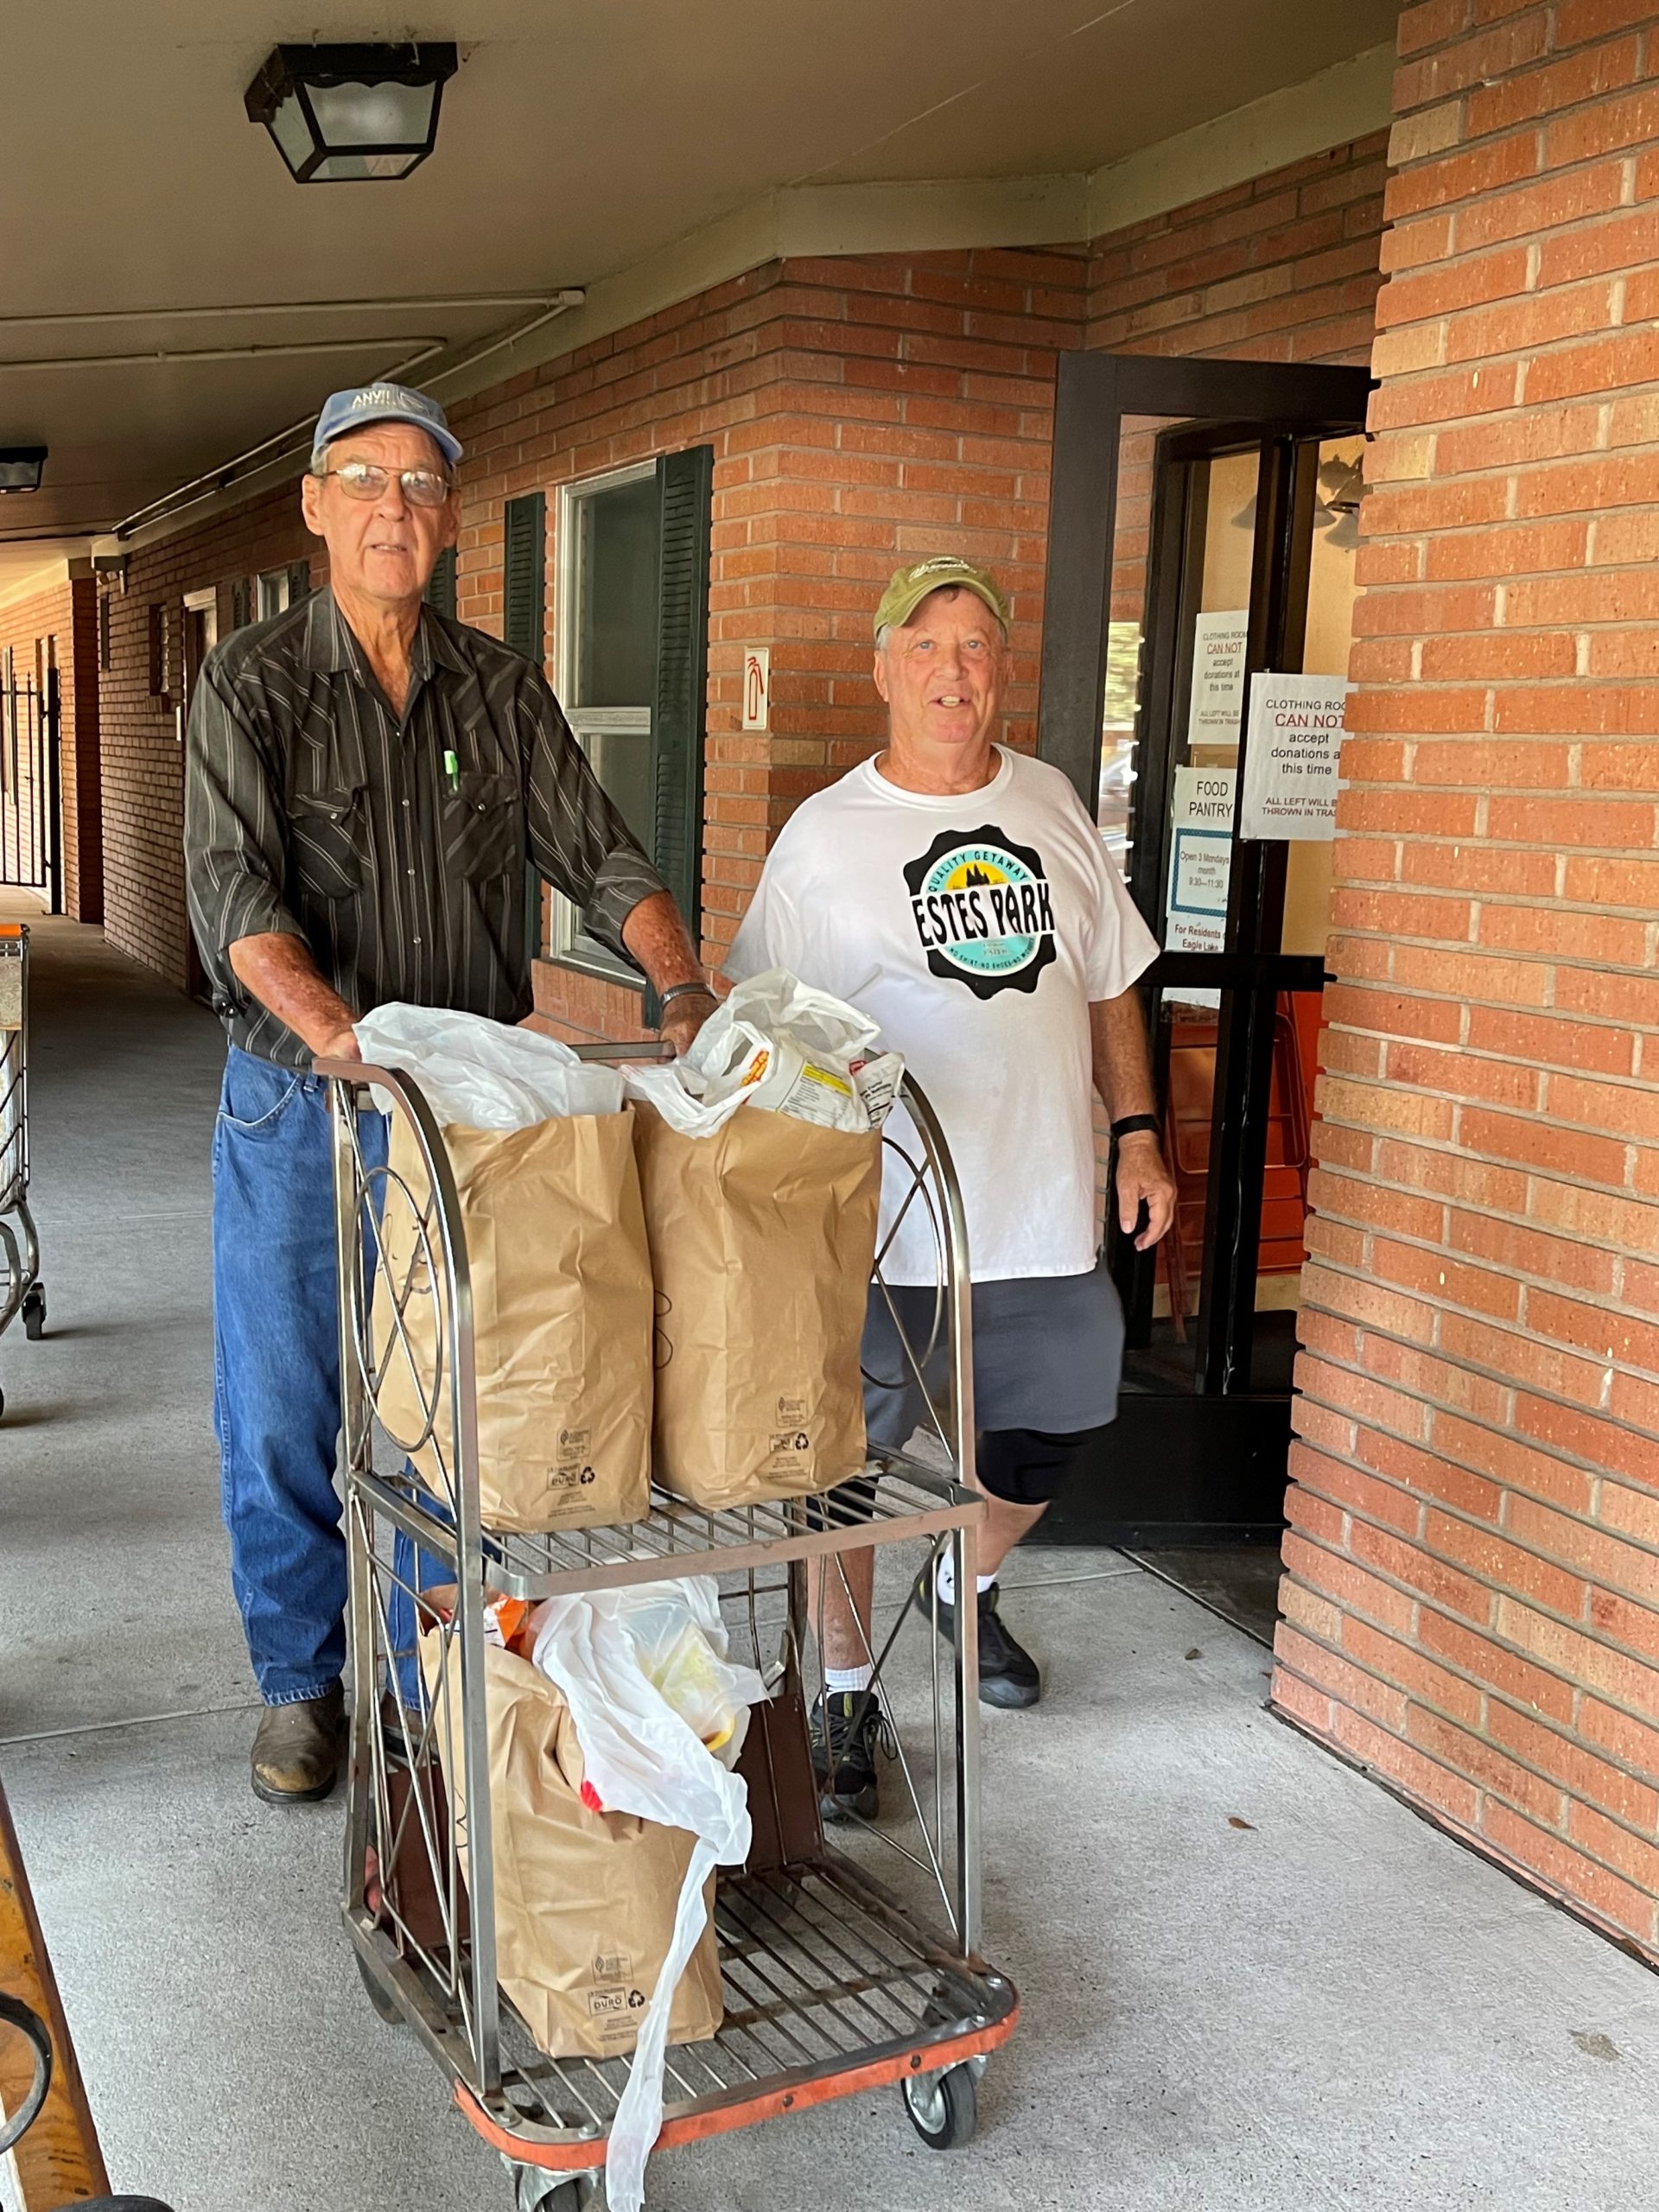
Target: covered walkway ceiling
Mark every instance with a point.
(171, 297)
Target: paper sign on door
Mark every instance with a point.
(1200, 867)
(1290, 759)
(1217, 701)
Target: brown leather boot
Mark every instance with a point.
(296, 1749)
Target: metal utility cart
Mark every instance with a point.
(23, 1292)
(833, 1983)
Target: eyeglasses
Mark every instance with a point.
(367, 480)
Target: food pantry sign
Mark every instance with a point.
(1291, 756)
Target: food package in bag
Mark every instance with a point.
(551, 1208)
(587, 1902)
(761, 1164)
(642, 1756)
(762, 1240)
(778, 1044)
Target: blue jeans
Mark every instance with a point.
(277, 1370)
(276, 1408)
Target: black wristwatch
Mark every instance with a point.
(1131, 1122)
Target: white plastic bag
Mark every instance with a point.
(484, 1074)
(682, 1645)
(608, 1651)
(776, 1043)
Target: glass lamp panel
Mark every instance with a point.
(292, 131)
(360, 115)
(343, 168)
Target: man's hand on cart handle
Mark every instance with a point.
(684, 1017)
(656, 937)
(342, 1045)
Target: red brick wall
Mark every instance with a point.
(66, 613)
(1281, 269)
(1473, 1594)
(143, 758)
(861, 411)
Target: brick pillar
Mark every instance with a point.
(1472, 1595)
(82, 781)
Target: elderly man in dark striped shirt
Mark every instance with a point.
(365, 782)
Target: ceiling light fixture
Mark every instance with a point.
(20, 467)
(344, 113)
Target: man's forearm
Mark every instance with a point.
(1123, 1078)
(278, 969)
(1123, 1069)
(657, 938)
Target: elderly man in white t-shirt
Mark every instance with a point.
(960, 895)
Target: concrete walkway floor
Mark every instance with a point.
(1251, 1981)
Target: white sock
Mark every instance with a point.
(854, 1678)
(947, 1580)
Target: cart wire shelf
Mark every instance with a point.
(676, 1538)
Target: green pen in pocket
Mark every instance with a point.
(451, 769)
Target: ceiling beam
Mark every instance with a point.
(1351, 99)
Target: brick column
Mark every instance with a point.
(1472, 1596)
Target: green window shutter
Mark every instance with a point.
(524, 626)
(685, 486)
(440, 586)
(299, 582)
(241, 604)
(524, 585)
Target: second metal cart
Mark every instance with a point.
(834, 1982)
(20, 1247)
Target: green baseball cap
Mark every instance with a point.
(945, 571)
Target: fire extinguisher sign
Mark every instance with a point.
(756, 687)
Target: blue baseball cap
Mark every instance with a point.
(383, 403)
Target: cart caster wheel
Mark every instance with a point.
(943, 2108)
(534, 2189)
(34, 1314)
(383, 2005)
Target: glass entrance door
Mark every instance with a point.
(1196, 641)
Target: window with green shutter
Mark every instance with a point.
(276, 589)
(524, 581)
(441, 585)
(632, 661)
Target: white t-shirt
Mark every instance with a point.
(976, 930)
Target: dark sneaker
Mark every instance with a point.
(843, 1752)
(1008, 1675)
(296, 1749)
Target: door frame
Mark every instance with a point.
(1093, 393)
(1164, 1448)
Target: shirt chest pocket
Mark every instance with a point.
(327, 830)
(483, 827)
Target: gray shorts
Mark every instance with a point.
(1048, 1350)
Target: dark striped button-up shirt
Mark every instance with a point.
(397, 851)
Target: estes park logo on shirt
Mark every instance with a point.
(983, 910)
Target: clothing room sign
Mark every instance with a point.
(1291, 756)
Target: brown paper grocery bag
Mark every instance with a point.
(562, 1317)
(762, 1240)
(584, 1902)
